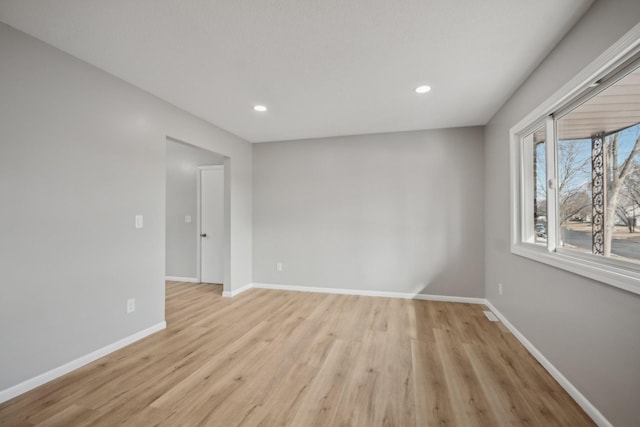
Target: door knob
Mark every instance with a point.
(203, 235)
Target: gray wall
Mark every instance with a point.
(81, 153)
(400, 212)
(182, 199)
(588, 330)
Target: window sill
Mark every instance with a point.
(615, 276)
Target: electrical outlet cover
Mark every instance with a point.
(131, 305)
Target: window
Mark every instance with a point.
(576, 173)
(598, 172)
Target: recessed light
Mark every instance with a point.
(423, 89)
(260, 108)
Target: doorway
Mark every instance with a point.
(186, 258)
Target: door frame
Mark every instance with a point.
(199, 222)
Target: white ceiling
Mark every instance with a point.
(322, 67)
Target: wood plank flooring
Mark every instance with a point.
(272, 358)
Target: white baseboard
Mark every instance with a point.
(237, 291)
(448, 298)
(401, 295)
(580, 399)
(54, 373)
(182, 279)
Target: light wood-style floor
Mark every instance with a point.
(272, 358)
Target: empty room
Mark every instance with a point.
(320, 213)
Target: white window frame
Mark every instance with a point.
(620, 274)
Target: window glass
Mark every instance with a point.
(599, 172)
(574, 193)
(623, 192)
(540, 184)
(534, 189)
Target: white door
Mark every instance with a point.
(212, 224)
